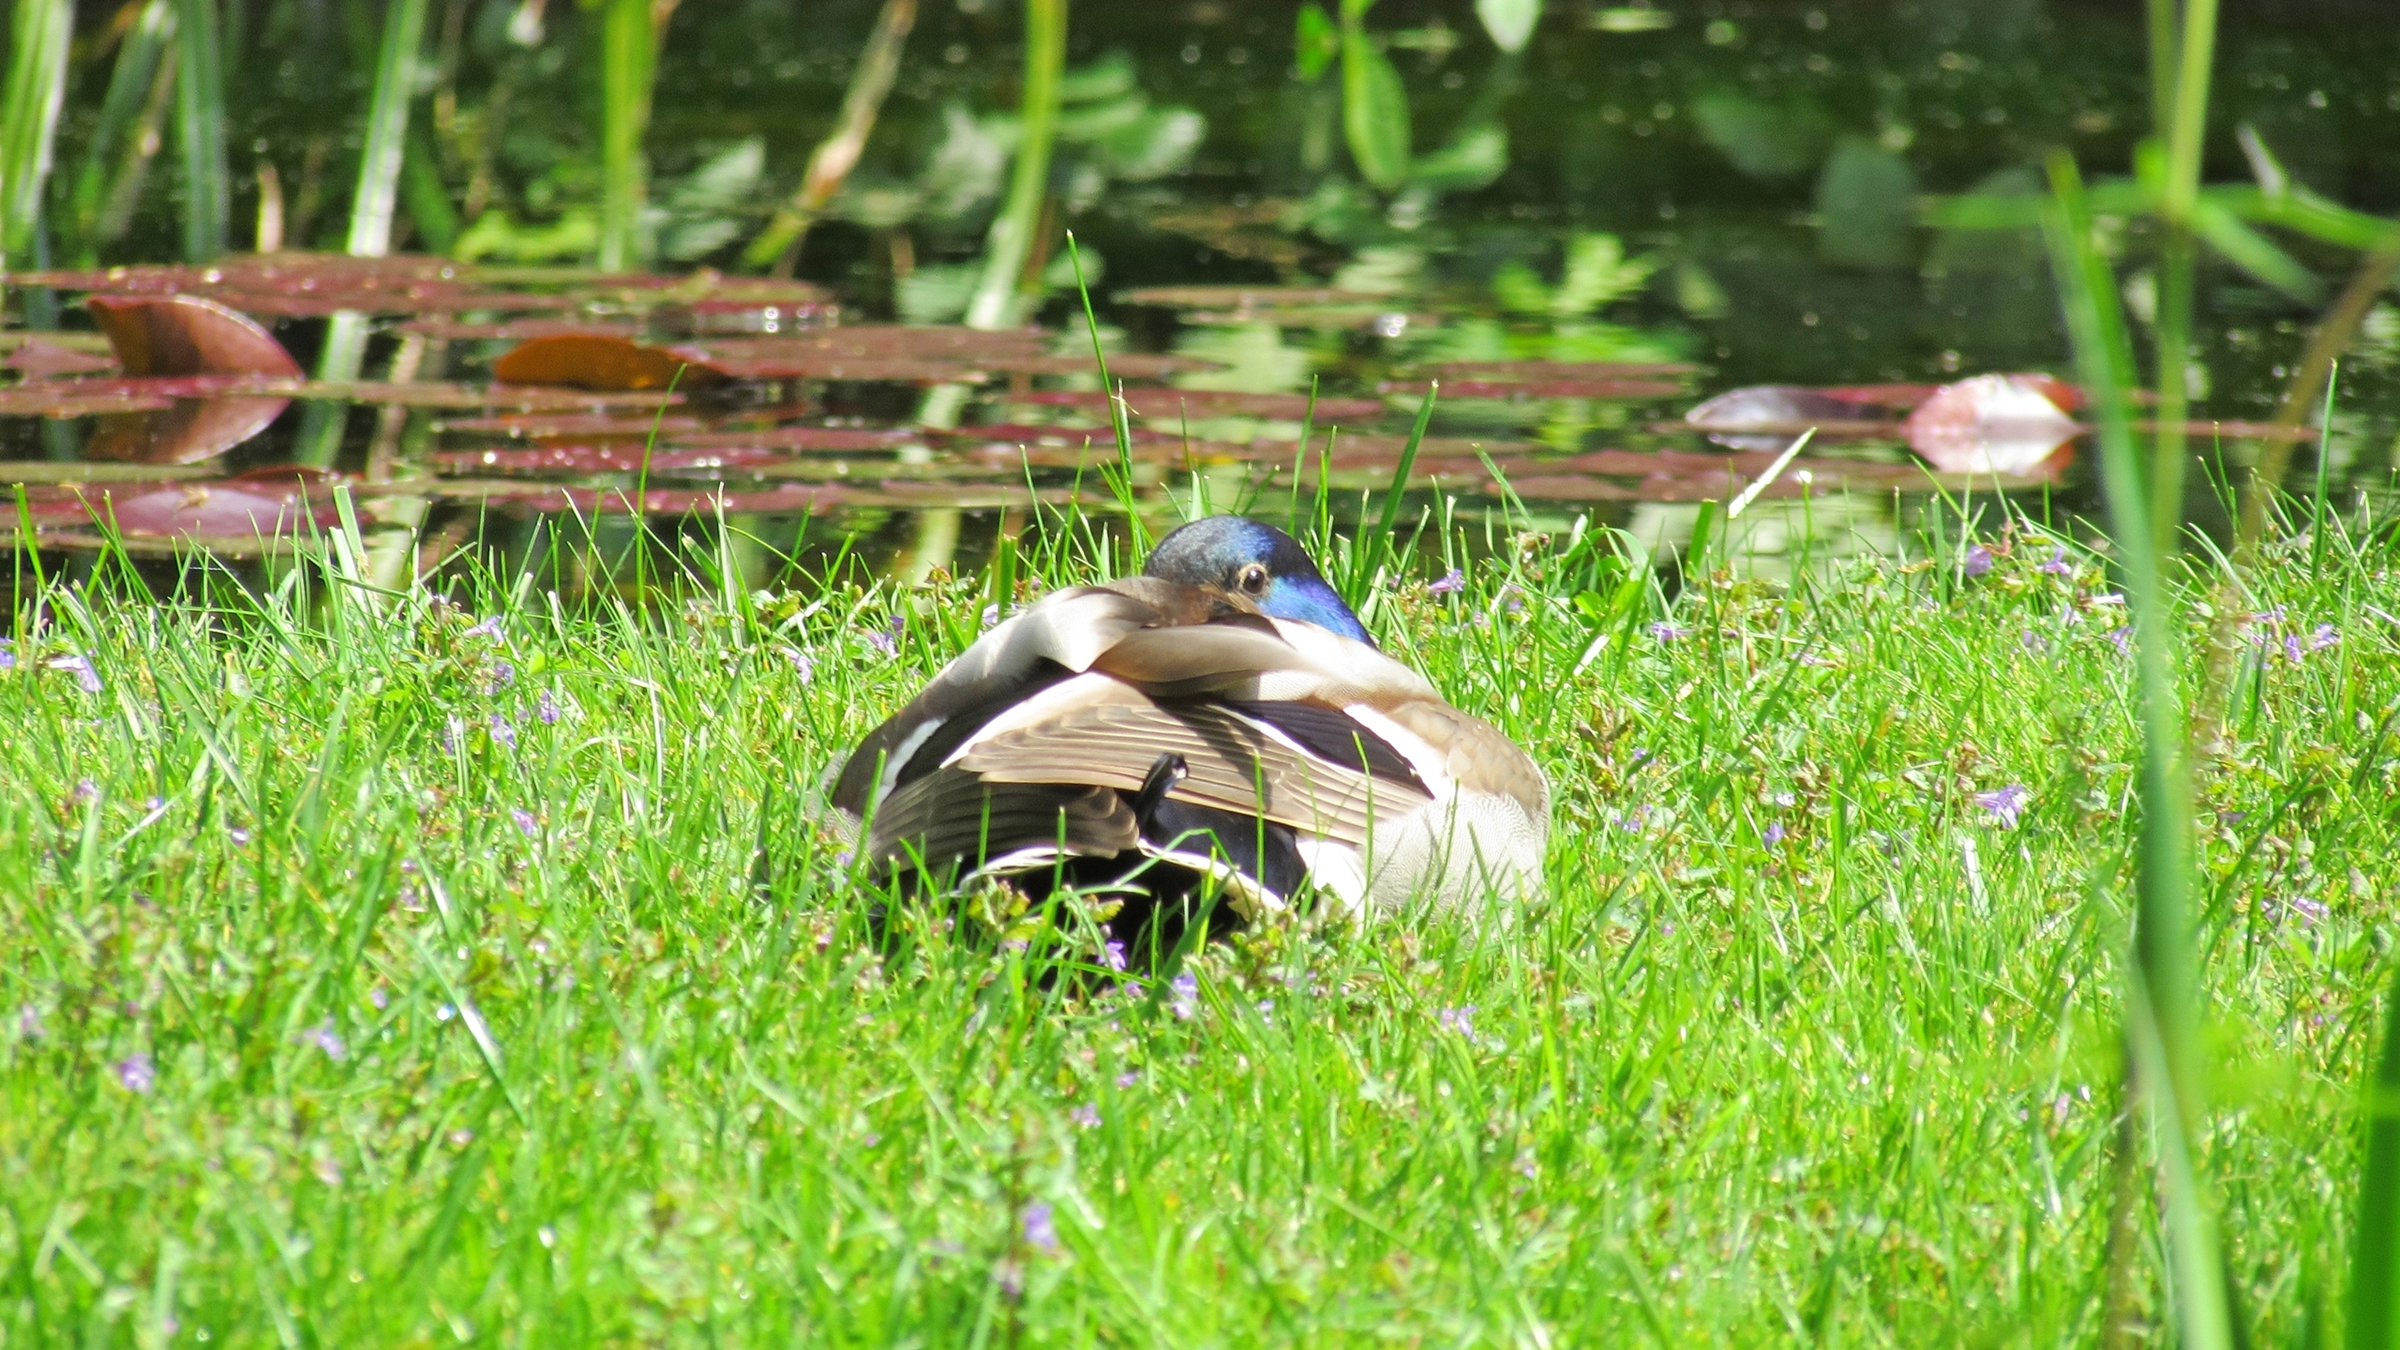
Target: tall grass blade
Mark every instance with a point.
(200, 129)
(2317, 499)
(29, 108)
(2375, 1251)
(117, 137)
(1368, 557)
(628, 65)
(371, 210)
(2162, 1017)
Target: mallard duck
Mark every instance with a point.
(1220, 726)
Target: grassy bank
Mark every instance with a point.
(379, 971)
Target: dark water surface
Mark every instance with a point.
(1697, 196)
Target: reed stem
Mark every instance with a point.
(200, 129)
(836, 155)
(629, 62)
(2162, 1017)
(141, 54)
(998, 301)
(29, 107)
(2179, 196)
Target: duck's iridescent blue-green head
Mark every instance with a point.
(1259, 561)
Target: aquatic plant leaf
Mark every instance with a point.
(1247, 297)
(1168, 404)
(835, 366)
(760, 313)
(186, 335)
(1124, 366)
(1867, 205)
(36, 359)
(1315, 41)
(518, 330)
(1527, 389)
(186, 431)
(1763, 140)
(848, 439)
(1767, 416)
(245, 508)
(1510, 22)
(548, 426)
(604, 457)
(1989, 424)
(1374, 111)
(606, 363)
(1557, 370)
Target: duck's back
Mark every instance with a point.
(1172, 738)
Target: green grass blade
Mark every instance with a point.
(1370, 552)
(2317, 498)
(2375, 1250)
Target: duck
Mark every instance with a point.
(1213, 741)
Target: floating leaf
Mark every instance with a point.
(804, 438)
(1168, 404)
(1524, 389)
(596, 426)
(181, 335)
(36, 359)
(187, 431)
(607, 457)
(1989, 424)
(251, 507)
(606, 363)
(1767, 416)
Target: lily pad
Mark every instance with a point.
(609, 363)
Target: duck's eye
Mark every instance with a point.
(1252, 579)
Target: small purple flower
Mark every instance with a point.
(489, 628)
(452, 729)
(86, 678)
(2291, 648)
(2033, 641)
(325, 1038)
(1112, 955)
(2325, 636)
(238, 835)
(503, 675)
(2003, 804)
(86, 792)
(136, 1073)
(29, 1022)
(1449, 583)
(1978, 561)
(1667, 632)
(803, 665)
(1187, 997)
(1773, 834)
(502, 732)
(2058, 566)
(8, 654)
(1460, 1020)
(1133, 990)
(1040, 1232)
(380, 999)
(545, 709)
(2306, 910)
(2123, 637)
(1085, 1116)
(1129, 1078)
(991, 615)
(526, 822)
(1634, 820)
(886, 643)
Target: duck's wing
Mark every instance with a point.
(1063, 634)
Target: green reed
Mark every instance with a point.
(36, 90)
(117, 156)
(2162, 1014)
(628, 68)
(200, 128)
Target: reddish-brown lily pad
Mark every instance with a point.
(36, 359)
(848, 439)
(183, 335)
(1168, 404)
(592, 426)
(606, 457)
(611, 363)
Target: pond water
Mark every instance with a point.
(1651, 206)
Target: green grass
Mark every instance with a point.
(423, 1071)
